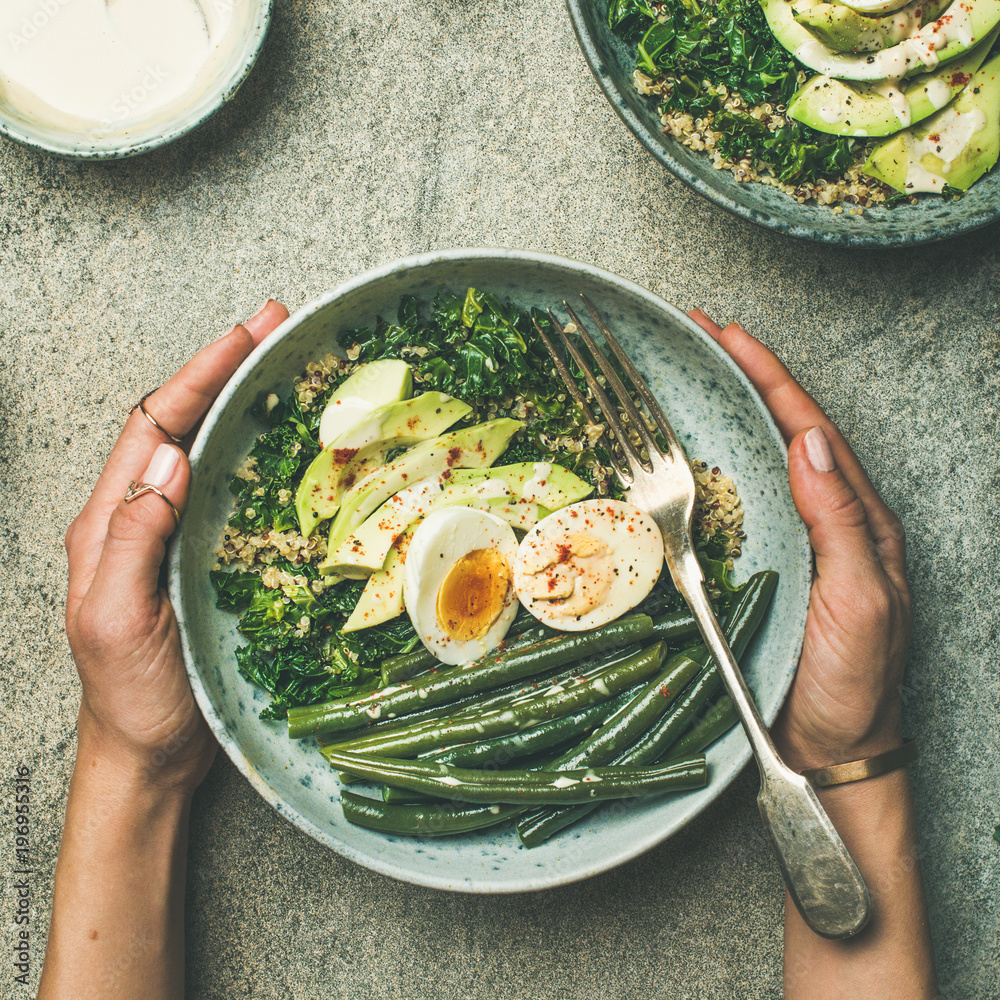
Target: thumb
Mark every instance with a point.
(831, 509)
(128, 571)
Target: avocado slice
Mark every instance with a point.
(955, 147)
(964, 24)
(866, 109)
(365, 551)
(845, 30)
(382, 598)
(354, 454)
(547, 483)
(873, 8)
(371, 386)
(471, 447)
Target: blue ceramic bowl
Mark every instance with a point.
(143, 137)
(718, 416)
(932, 218)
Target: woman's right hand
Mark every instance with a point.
(844, 703)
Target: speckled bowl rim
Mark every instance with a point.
(240, 71)
(720, 197)
(259, 357)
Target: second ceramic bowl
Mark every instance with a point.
(932, 218)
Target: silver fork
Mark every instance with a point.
(820, 874)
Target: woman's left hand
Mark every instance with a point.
(137, 711)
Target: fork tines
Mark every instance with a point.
(623, 395)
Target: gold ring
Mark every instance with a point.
(858, 770)
(136, 490)
(149, 416)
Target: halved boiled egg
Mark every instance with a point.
(457, 585)
(587, 564)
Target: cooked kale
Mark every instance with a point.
(729, 43)
(280, 457)
(298, 665)
(725, 42)
(478, 349)
(792, 150)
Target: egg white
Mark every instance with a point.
(614, 581)
(441, 539)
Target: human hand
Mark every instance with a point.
(137, 712)
(844, 702)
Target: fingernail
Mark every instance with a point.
(818, 450)
(267, 302)
(161, 465)
(231, 331)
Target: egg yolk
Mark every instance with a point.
(473, 594)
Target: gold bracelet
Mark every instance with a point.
(858, 770)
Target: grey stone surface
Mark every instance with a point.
(369, 132)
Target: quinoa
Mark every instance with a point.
(320, 375)
(257, 552)
(718, 512)
(852, 188)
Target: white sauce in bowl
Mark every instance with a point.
(100, 66)
(953, 132)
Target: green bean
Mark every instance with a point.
(743, 620)
(502, 750)
(668, 627)
(421, 820)
(489, 672)
(719, 719)
(672, 626)
(612, 739)
(482, 702)
(554, 701)
(536, 762)
(531, 632)
(655, 743)
(675, 625)
(521, 787)
(537, 826)
(503, 695)
(472, 702)
(753, 603)
(403, 666)
(532, 747)
(402, 797)
(620, 732)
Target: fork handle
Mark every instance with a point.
(818, 870)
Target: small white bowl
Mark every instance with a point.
(143, 137)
